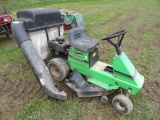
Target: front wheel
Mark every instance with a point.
(104, 99)
(122, 104)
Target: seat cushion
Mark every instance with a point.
(78, 39)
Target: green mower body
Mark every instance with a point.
(122, 74)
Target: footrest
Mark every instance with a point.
(101, 84)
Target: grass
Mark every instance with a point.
(46, 108)
(140, 18)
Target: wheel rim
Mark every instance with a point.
(120, 106)
(55, 71)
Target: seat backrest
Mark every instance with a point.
(79, 40)
(74, 34)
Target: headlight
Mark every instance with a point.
(5, 20)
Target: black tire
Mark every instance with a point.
(8, 30)
(122, 104)
(58, 68)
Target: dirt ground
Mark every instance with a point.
(16, 94)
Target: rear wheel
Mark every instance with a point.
(58, 68)
(122, 104)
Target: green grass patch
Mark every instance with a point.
(50, 109)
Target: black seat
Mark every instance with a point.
(79, 40)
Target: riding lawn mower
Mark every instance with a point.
(39, 33)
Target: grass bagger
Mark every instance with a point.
(39, 32)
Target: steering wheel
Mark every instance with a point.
(113, 35)
(120, 35)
